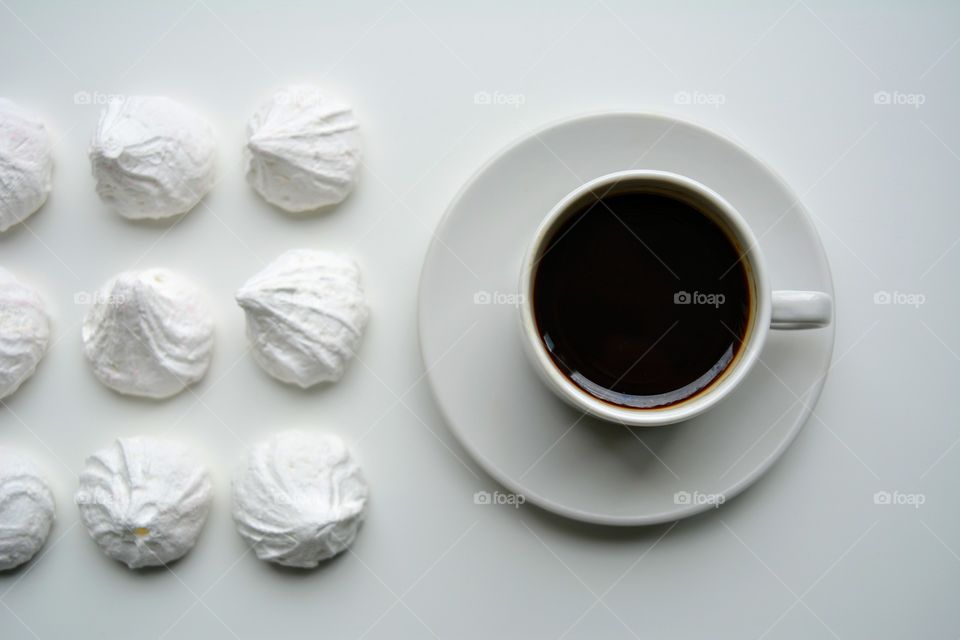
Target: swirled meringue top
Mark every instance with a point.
(299, 498)
(152, 157)
(26, 509)
(148, 333)
(24, 332)
(303, 149)
(306, 314)
(144, 501)
(26, 164)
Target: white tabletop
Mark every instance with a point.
(807, 552)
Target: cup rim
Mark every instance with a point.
(757, 332)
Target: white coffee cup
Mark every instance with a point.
(769, 309)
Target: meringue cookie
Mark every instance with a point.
(24, 332)
(306, 313)
(299, 498)
(303, 149)
(26, 509)
(26, 164)
(148, 333)
(144, 501)
(152, 157)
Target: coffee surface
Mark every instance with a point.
(641, 299)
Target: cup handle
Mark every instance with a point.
(801, 310)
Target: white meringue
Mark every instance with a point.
(26, 509)
(144, 501)
(26, 164)
(152, 157)
(303, 149)
(24, 332)
(299, 498)
(306, 313)
(148, 333)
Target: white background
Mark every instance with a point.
(804, 553)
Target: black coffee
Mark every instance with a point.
(641, 299)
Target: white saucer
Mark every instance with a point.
(506, 418)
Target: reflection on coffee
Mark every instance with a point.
(641, 299)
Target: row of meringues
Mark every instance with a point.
(149, 333)
(154, 158)
(298, 498)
